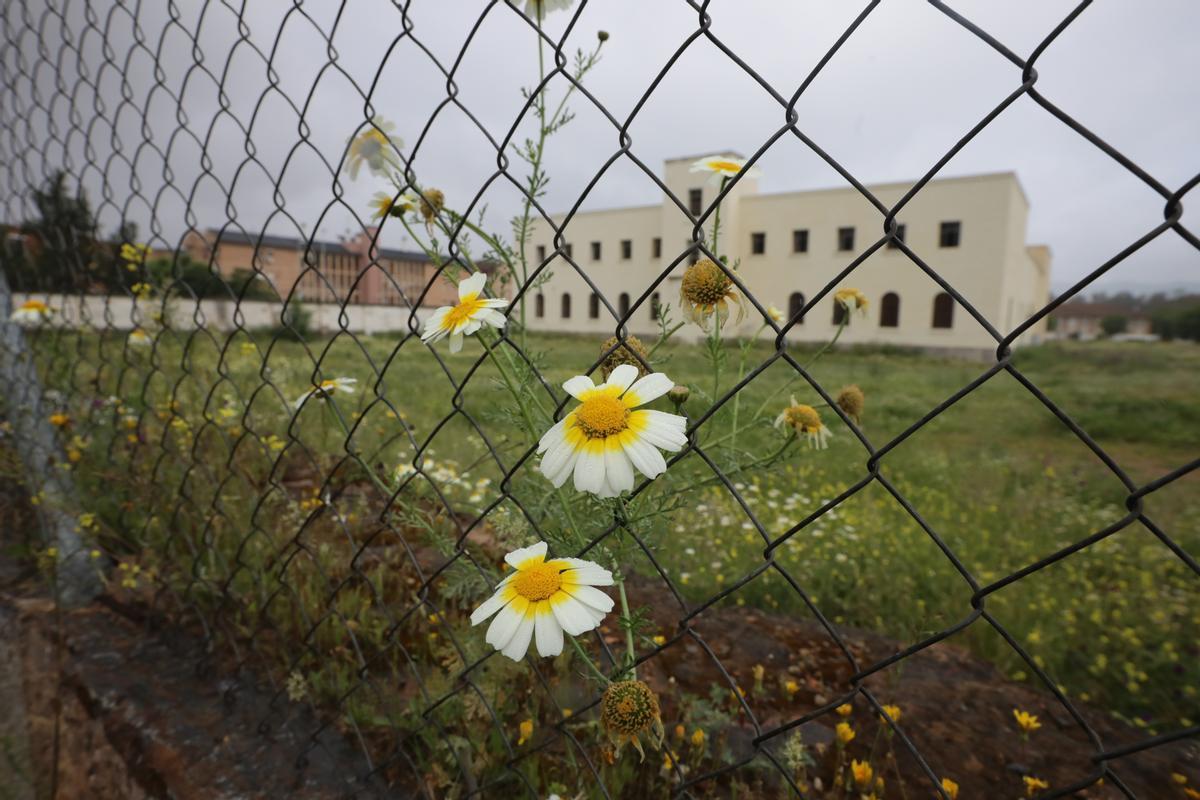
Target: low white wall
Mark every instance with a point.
(123, 313)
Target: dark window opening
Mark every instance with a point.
(950, 234)
(695, 202)
(901, 229)
(623, 305)
(943, 311)
(845, 239)
(626, 249)
(795, 305)
(539, 306)
(758, 243)
(800, 241)
(595, 251)
(840, 313)
(655, 307)
(656, 247)
(566, 306)
(889, 310)
(594, 306)
(541, 253)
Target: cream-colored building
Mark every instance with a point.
(789, 246)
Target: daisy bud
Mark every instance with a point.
(851, 400)
(602, 35)
(678, 395)
(632, 352)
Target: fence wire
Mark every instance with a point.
(75, 109)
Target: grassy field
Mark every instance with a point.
(996, 476)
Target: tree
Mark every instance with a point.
(62, 254)
(1114, 324)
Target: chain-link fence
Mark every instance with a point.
(273, 458)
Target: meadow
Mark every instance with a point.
(996, 476)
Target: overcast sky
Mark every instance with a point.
(891, 102)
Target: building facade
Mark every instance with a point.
(1084, 320)
(348, 271)
(789, 246)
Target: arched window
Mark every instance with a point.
(839, 313)
(566, 306)
(943, 310)
(795, 304)
(655, 307)
(594, 306)
(889, 310)
(623, 305)
(539, 305)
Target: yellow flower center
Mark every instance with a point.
(34, 305)
(538, 583)
(602, 416)
(328, 386)
(803, 418)
(462, 313)
(724, 166)
(704, 283)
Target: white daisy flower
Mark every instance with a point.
(374, 146)
(139, 338)
(723, 167)
(776, 315)
(327, 388)
(806, 421)
(541, 599)
(604, 438)
(536, 9)
(32, 312)
(472, 313)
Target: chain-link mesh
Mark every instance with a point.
(280, 530)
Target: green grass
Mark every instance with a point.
(997, 477)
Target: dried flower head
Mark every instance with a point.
(851, 400)
(432, 202)
(707, 292)
(628, 710)
(632, 352)
(806, 422)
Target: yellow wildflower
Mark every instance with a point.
(1033, 784)
(60, 420)
(892, 711)
(862, 772)
(698, 738)
(950, 788)
(845, 733)
(1028, 722)
(526, 731)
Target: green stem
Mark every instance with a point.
(717, 220)
(588, 660)
(631, 649)
(737, 398)
(811, 361)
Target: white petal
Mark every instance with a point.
(572, 615)
(578, 385)
(589, 471)
(494, 302)
(650, 387)
(556, 461)
(501, 631)
(519, 644)
(592, 597)
(618, 470)
(456, 342)
(622, 376)
(668, 431)
(553, 436)
(471, 286)
(489, 607)
(648, 461)
(518, 557)
(588, 572)
(549, 632)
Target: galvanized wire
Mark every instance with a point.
(65, 66)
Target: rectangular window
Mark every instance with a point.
(541, 253)
(595, 251)
(900, 231)
(656, 247)
(758, 243)
(626, 249)
(800, 241)
(845, 239)
(696, 201)
(950, 234)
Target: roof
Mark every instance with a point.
(295, 243)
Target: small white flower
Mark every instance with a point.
(32, 312)
(328, 388)
(543, 599)
(776, 315)
(535, 9)
(472, 313)
(604, 439)
(139, 338)
(721, 167)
